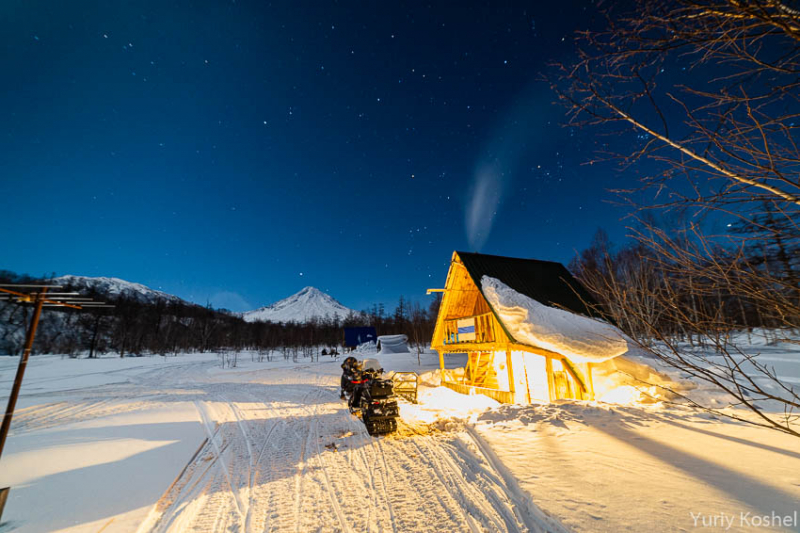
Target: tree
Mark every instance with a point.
(419, 323)
(706, 96)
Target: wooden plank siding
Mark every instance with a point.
(501, 396)
(485, 328)
(463, 299)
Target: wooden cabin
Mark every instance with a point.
(498, 365)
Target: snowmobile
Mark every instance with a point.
(373, 396)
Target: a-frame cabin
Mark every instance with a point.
(498, 365)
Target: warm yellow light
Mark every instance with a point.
(628, 395)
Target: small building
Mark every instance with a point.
(530, 330)
(356, 336)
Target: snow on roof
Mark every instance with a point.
(579, 338)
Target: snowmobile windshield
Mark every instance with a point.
(371, 364)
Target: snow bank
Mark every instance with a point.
(632, 380)
(599, 467)
(366, 348)
(441, 403)
(392, 344)
(581, 339)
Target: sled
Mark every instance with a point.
(406, 385)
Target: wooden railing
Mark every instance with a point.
(502, 396)
(484, 329)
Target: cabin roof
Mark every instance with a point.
(547, 282)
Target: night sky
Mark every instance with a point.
(239, 151)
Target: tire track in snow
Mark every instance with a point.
(183, 507)
(368, 441)
(533, 517)
(266, 470)
(221, 463)
(313, 415)
(439, 470)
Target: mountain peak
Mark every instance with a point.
(115, 288)
(309, 290)
(309, 302)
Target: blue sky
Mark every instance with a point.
(239, 151)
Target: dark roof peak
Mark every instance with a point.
(547, 282)
(507, 258)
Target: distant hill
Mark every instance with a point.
(114, 288)
(301, 307)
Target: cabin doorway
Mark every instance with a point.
(564, 385)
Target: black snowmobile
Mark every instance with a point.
(372, 396)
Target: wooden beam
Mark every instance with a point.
(589, 381)
(575, 376)
(463, 347)
(535, 350)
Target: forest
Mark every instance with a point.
(168, 327)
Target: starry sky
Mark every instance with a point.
(237, 151)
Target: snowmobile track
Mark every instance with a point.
(298, 461)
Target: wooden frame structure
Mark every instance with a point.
(39, 297)
(499, 366)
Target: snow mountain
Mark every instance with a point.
(114, 288)
(301, 307)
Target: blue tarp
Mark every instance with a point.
(355, 336)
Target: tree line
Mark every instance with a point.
(134, 328)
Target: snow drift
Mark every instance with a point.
(392, 344)
(581, 339)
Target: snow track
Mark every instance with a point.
(284, 454)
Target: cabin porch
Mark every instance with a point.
(520, 376)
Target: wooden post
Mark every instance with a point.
(510, 370)
(527, 383)
(551, 384)
(589, 381)
(12, 399)
(23, 363)
(441, 365)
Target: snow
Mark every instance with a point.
(637, 377)
(277, 451)
(307, 304)
(80, 475)
(366, 348)
(442, 404)
(581, 339)
(615, 468)
(115, 288)
(180, 444)
(393, 344)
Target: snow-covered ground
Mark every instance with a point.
(97, 444)
(181, 444)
